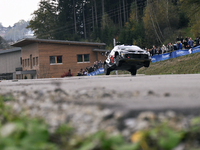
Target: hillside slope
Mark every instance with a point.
(189, 64)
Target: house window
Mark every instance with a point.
(21, 60)
(36, 63)
(25, 62)
(86, 58)
(79, 58)
(59, 59)
(83, 58)
(55, 59)
(52, 60)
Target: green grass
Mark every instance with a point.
(189, 64)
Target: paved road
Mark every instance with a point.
(126, 92)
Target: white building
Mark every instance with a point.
(10, 62)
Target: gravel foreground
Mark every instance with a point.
(92, 109)
(86, 111)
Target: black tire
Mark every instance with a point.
(117, 61)
(106, 69)
(147, 64)
(133, 72)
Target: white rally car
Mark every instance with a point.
(128, 58)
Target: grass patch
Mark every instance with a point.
(188, 64)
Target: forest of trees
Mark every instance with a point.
(139, 22)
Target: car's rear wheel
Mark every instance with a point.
(106, 69)
(133, 72)
(117, 61)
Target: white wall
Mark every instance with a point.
(9, 62)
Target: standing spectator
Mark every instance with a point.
(154, 50)
(96, 66)
(186, 39)
(100, 64)
(175, 46)
(197, 41)
(181, 39)
(177, 39)
(180, 45)
(190, 42)
(159, 50)
(185, 44)
(170, 47)
(148, 51)
(164, 49)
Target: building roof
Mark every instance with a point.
(100, 50)
(10, 50)
(28, 41)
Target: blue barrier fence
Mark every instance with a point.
(98, 71)
(174, 54)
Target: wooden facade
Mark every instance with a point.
(39, 55)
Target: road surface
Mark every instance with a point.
(180, 93)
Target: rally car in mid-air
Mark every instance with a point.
(130, 58)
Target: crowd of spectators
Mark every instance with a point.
(90, 69)
(179, 44)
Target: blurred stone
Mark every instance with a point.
(170, 114)
(7, 129)
(107, 114)
(130, 123)
(142, 125)
(147, 116)
(179, 147)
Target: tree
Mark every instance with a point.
(192, 10)
(159, 21)
(133, 33)
(44, 20)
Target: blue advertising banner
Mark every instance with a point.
(196, 49)
(174, 54)
(165, 56)
(98, 71)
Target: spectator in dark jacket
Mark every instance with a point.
(96, 66)
(177, 39)
(186, 39)
(181, 39)
(175, 46)
(197, 41)
(154, 50)
(191, 42)
(100, 64)
(185, 44)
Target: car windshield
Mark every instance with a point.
(129, 48)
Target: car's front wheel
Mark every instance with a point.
(133, 72)
(106, 69)
(146, 64)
